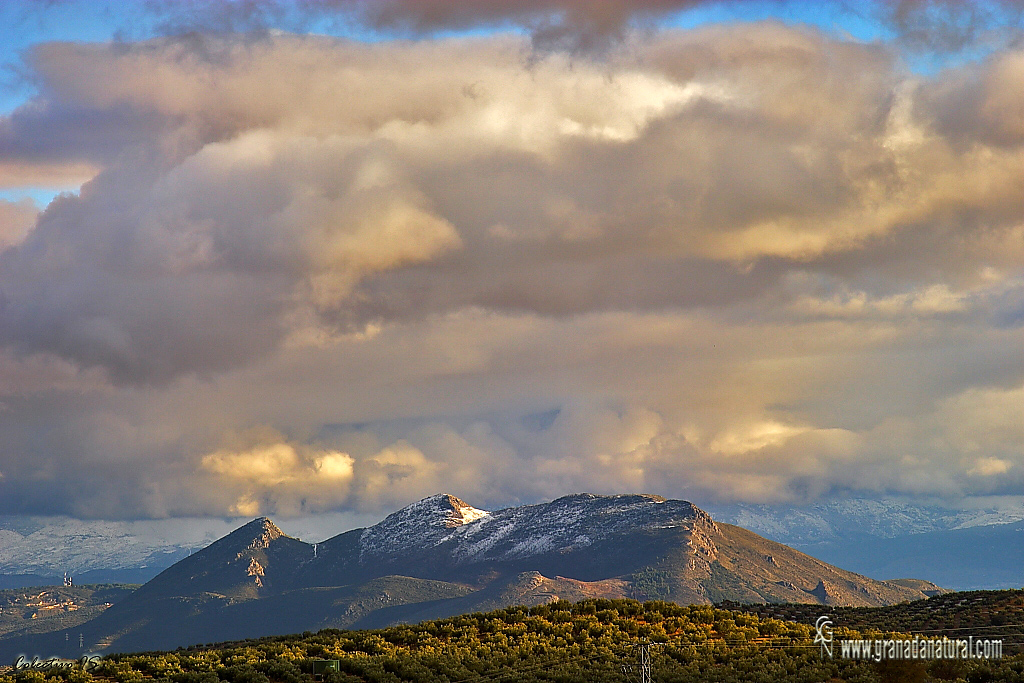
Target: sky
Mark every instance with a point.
(269, 258)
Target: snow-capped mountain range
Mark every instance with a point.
(808, 525)
(50, 546)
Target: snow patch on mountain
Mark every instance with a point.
(471, 514)
(571, 522)
(8, 537)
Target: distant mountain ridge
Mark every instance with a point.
(442, 556)
(886, 539)
(988, 556)
(39, 550)
(858, 518)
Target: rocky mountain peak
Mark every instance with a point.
(440, 510)
(256, 535)
(266, 531)
(455, 511)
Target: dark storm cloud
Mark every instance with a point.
(931, 25)
(554, 24)
(949, 25)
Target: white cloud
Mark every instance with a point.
(747, 262)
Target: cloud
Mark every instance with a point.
(554, 24)
(16, 220)
(947, 25)
(420, 191)
(284, 477)
(746, 262)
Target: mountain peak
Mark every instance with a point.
(458, 511)
(425, 523)
(236, 564)
(256, 535)
(262, 523)
(266, 530)
(440, 510)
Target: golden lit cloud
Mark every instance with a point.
(16, 220)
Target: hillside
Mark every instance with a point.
(441, 557)
(589, 641)
(984, 614)
(25, 611)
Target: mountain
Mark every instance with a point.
(254, 560)
(441, 557)
(990, 556)
(883, 539)
(37, 551)
(839, 521)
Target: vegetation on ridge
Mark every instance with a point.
(561, 642)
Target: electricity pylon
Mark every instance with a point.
(644, 665)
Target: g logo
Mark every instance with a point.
(824, 635)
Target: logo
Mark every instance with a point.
(906, 647)
(87, 663)
(824, 635)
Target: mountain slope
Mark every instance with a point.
(442, 557)
(27, 611)
(254, 560)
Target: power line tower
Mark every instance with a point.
(645, 662)
(642, 672)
